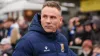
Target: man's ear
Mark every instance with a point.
(61, 19)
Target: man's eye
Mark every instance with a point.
(53, 17)
(44, 16)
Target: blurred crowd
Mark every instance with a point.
(84, 32)
(11, 30)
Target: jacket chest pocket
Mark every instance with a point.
(46, 48)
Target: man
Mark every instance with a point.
(6, 47)
(43, 39)
(86, 48)
(96, 49)
(96, 28)
(12, 31)
(8, 25)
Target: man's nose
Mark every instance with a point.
(48, 20)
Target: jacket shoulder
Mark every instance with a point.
(25, 45)
(62, 38)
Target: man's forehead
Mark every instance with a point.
(50, 14)
(50, 10)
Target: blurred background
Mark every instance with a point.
(81, 24)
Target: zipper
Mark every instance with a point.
(55, 45)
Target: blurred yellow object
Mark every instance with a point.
(29, 12)
(90, 5)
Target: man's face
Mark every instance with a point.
(96, 51)
(94, 26)
(88, 28)
(50, 19)
(79, 28)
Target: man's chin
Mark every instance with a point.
(49, 31)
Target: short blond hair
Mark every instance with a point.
(54, 4)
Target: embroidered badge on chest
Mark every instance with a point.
(62, 47)
(46, 49)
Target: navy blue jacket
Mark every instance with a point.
(37, 42)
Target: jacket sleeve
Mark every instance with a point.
(23, 48)
(71, 53)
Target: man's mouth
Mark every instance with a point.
(48, 26)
